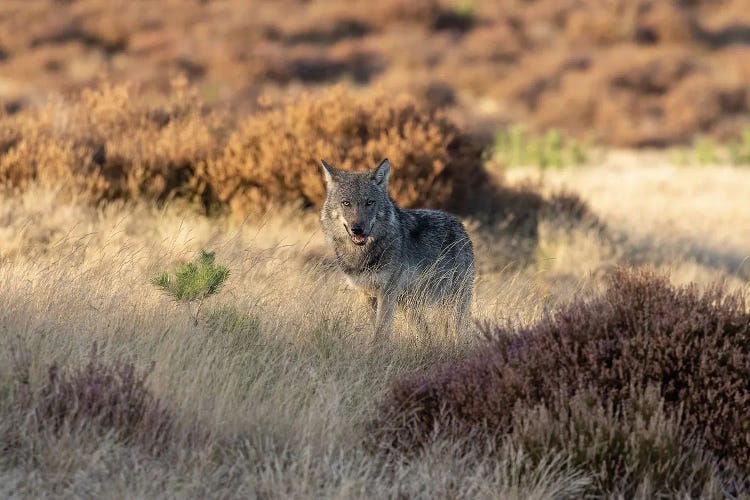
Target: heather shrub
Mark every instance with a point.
(691, 347)
(100, 397)
(636, 450)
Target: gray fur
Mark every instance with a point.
(400, 256)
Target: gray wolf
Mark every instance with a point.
(392, 255)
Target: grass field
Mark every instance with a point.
(609, 352)
(272, 391)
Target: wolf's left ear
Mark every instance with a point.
(329, 172)
(381, 173)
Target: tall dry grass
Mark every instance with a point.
(272, 404)
(272, 390)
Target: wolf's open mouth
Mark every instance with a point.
(359, 240)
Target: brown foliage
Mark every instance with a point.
(692, 348)
(275, 155)
(109, 144)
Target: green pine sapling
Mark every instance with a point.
(193, 282)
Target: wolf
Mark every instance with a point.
(392, 255)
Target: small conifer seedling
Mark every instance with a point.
(193, 282)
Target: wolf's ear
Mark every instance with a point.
(330, 173)
(381, 173)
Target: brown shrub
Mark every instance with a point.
(396, 11)
(700, 102)
(108, 144)
(98, 397)
(274, 157)
(625, 92)
(600, 24)
(693, 348)
(664, 22)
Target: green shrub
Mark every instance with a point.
(465, 8)
(706, 152)
(193, 281)
(691, 347)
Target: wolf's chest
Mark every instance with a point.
(368, 283)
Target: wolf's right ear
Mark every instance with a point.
(330, 173)
(381, 173)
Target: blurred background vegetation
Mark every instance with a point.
(137, 99)
(621, 72)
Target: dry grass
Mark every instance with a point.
(272, 392)
(692, 221)
(277, 412)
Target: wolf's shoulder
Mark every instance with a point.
(429, 216)
(429, 223)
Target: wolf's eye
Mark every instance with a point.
(346, 203)
(370, 202)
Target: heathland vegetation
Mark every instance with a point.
(172, 323)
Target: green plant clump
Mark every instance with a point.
(465, 9)
(193, 281)
(515, 146)
(705, 151)
(739, 151)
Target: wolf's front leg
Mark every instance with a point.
(372, 305)
(384, 315)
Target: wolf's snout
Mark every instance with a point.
(357, 234)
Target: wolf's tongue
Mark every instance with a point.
(358, 239)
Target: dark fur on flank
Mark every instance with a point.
(392, 255)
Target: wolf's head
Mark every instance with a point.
(357, 202)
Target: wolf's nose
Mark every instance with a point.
(358, 230)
